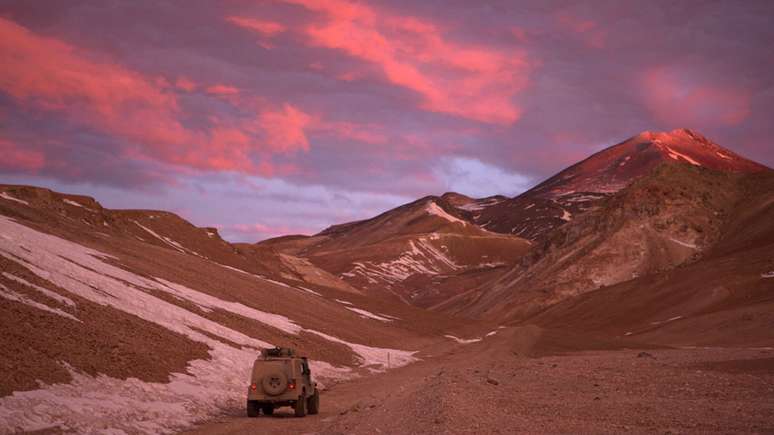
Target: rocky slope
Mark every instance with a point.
(581, 187)
(422, 253)
(139, 321)
(675, 243)
(723, 297)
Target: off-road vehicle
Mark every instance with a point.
(280, 378)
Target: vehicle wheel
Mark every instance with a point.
(252, 408)
(268, 409)
(300, 407)
(313, 405)
(274, 384)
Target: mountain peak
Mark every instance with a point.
(678, 134)
(615, 167)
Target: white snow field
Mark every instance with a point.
(103, 404)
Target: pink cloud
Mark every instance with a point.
(587, 30)
(51, 75)
(265, 28)
(185, 84)
(473, 82)
(677, 96)
(519, 33)
(370, 134)
(220, 89)
(16, 158)
(285, 128)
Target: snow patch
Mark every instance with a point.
(433, 209)
(236, 270)
(53, 295)
(5, 195)
(377, 358)
(491, 264)
(479, 205)
(463, 340)
(367, 314)
(421, 258)
(768, 274)
(162, 238)
(566, 215)
(671, 319)
(310, 291)
(71, 202)
(473, 206)
(279, 283)
(686, 244)
(263, 278)
(722, 156)
(11, 295)
(169, 241)
(489, 334)
(676, 156)
(342, 301)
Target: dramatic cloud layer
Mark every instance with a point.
(265, 118)
(475, 82)
(48, 75)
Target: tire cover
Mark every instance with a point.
(274, 384)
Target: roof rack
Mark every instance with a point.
(279, 352)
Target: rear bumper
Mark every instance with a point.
(275, 403)
(286, 398)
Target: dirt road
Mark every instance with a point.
(516, 381)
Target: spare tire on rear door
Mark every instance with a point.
(274, 384)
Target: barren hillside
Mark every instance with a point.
(142, 304)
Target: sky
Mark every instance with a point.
(264, 118)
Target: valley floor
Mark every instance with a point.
(517, 381)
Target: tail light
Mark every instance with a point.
(253, 387)
(292, 384)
